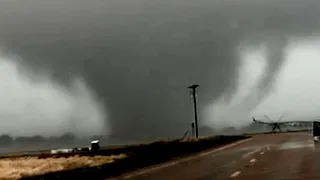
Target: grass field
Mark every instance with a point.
(16, 168)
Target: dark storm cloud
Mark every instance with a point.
(139, 56)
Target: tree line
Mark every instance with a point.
(7, 140)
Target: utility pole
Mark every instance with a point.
(192, 128)
(193, 88)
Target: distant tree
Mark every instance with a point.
(6, 140)
(22, 139)
(229, 130)
(67, 138)
(36, 139)
(53, 139)
(206, 131)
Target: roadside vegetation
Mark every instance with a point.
(16, 168)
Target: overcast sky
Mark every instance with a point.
(138, 56)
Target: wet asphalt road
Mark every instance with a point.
(264, 157)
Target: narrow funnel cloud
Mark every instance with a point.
(35, 104)
(252, 72)
(289, 88)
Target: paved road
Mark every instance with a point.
(279, 156)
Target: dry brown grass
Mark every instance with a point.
(190, 139)
(15, 168)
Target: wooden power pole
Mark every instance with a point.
(193, 88)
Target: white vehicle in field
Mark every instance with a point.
(94, 147)
(59, 151)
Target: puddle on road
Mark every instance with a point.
(296, 145)
(250, 148)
